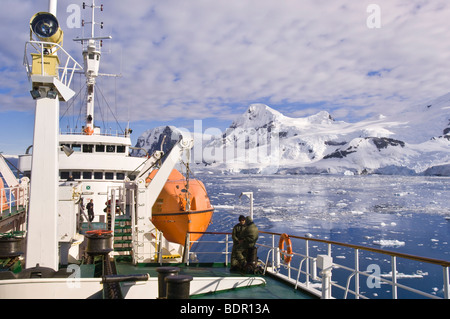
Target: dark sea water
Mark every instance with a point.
(397, 213)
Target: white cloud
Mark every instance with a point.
(199, 58)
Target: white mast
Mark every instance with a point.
(91, 56)
(52, 5)
(48, 87)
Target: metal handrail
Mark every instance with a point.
(354, 272)
(444, 263)
(66, 72)
(16, 196)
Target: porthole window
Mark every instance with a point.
(88, 148)
(109, 175)
(100, 148)
(87, 175)
(76, 175)
(76, 147)
(98, 175)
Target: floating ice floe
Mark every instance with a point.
(391, 224)
(389, 243)
(418, 274)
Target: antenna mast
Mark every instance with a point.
(91, 56)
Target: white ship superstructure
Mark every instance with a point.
(99, 159)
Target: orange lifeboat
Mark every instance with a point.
(179, 210)
(3, 201)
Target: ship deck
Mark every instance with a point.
(273, 289)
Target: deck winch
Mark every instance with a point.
(99, 242)
(10, 246)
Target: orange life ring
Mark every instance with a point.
(284, 238)
(88, 130)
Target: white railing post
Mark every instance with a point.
(446, 283)
(325, 263)
(275, 255)
(394, 277)
(188, 245)
(326, 284)
(357, 273)
(307, 263)
(226, 250)
(113, 209)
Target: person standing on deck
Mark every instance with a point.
(236, 235)
(90, 209)
(250, 234)
(248, 239)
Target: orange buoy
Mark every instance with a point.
(286, 255)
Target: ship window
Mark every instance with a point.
(76, 175)
(120, 149)
(110, 148)
(98, 175)
(91, 56)
(65, 175)
(88, 148)
(120, 176)
(87, 175)
(76, 147)
(99, 148)
(109, 175)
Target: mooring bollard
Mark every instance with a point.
(178, 286)
(164, 272)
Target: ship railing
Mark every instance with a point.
(65, 70)
(330, 269)
(226, 241)
(109, 132)
(15, 201)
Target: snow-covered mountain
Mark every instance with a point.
(159, 138)
(262, 140)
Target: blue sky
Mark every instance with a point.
(209, 60)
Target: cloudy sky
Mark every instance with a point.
(186, 60)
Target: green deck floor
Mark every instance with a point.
(273, 289)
